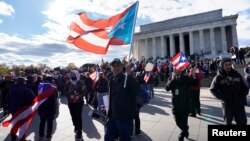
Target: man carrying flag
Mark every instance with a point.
(180, 85)
(48, 111)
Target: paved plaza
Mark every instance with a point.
(157, 121)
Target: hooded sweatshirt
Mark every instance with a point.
(229, 87)
(76, 88)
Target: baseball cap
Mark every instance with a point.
(116, 61)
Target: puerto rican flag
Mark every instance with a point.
(96, 35)
(146, 77)
(179, 61)
(20, 122)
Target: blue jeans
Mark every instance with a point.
(151, 90)
(118, 128)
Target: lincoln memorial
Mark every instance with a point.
(207, 32)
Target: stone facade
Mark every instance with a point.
(208, 32)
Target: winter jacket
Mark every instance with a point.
(180, 88)
(101, 85)
(49, 106)
(18, 97)
(230, 88)
(123, 100)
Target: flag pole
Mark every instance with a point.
(133, 29)
(132, 40)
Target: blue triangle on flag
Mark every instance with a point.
(183, 59)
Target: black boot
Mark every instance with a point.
(199, 112)
(181, 137)
(186, 134)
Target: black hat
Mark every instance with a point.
(223, 60)
(48, 78)
(116, 61)
(21, 80)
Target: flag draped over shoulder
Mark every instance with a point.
(179, 61)
(96, 35)
(20, 121)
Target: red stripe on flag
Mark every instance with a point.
(83, 44)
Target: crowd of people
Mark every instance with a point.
(123, 83)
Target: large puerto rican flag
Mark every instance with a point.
(20, 121)
(179, 61)
(96, 35)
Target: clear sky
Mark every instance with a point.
(35, 31)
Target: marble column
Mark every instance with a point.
(136, 50)
(147, 49)
(234, 35)
(181, 40)
(212, 41)
(133, 49)
(163, 47)
(141, 49)
(202, 47)
(223, 39)
(191, 42)
(172, 46)
(154, 53)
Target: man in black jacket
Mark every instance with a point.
(19, 96)
(47, 112)
(180, 88)
(229, 87)
(122, 104)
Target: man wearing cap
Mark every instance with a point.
(122, 103)
(229, 87)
